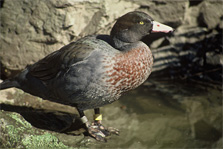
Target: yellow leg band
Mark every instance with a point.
(98, 117)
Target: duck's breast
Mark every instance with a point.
(128, 69)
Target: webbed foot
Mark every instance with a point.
(99, 132)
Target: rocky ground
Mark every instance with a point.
(30, 30)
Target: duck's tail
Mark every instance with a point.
(8, 84)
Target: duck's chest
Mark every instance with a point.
(128, 70)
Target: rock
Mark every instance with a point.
(210, 14)
(25, 121)
(16, 132)
(214, 59)
(191, 15)
(168, 12)
(194, 49)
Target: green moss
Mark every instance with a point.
(18, 119)
(42, 141)
(23, 135)
(12, 137)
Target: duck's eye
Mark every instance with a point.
(141, 22)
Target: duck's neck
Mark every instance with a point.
(119, 44)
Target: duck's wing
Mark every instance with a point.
(48, 67)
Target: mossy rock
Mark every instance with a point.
(16, 132)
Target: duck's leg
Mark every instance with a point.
(97, 116)
(92, 130)
(98, 122)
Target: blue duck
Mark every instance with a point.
(95, 70)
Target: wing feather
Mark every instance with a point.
(48, 67)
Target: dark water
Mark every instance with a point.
(166, 115)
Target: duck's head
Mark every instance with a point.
(133, 26)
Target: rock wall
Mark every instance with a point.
(195, 49)
(32, 29)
